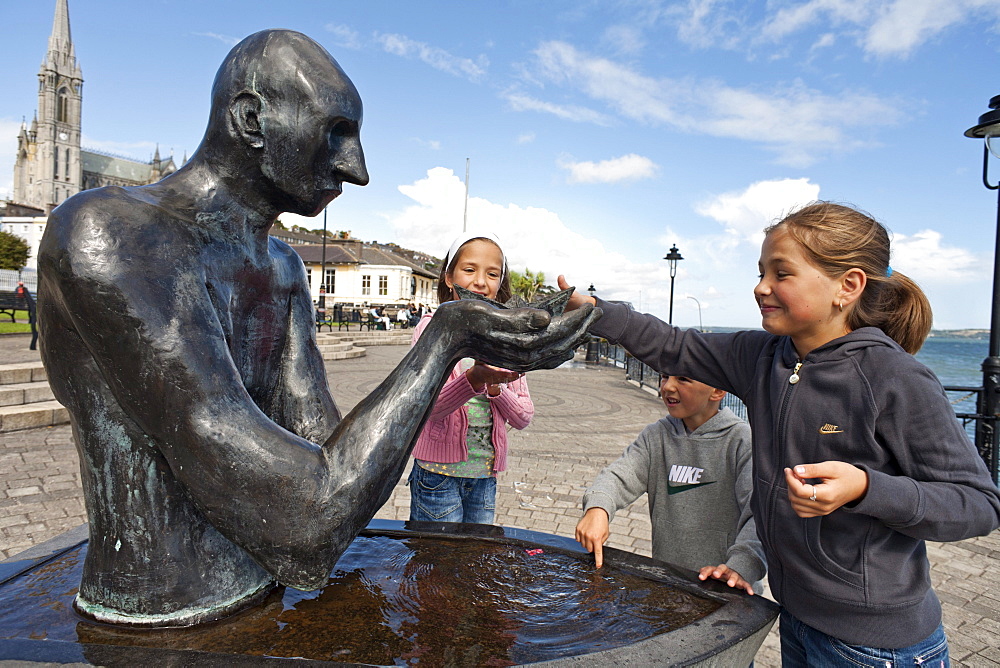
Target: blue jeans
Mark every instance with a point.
(443, 498)
(802, 645)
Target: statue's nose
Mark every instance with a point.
(350, 165)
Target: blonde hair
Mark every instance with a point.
(835, 238)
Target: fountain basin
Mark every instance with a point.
(413, 594)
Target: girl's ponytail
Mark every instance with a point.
(897, 306)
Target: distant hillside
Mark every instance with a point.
(979, 334)
(976, 334)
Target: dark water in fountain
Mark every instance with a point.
(398, 601)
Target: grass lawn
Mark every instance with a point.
(8, 327)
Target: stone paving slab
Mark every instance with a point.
(585, 417)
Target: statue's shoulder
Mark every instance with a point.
(100, 207)
(281, 251)
(110, 221)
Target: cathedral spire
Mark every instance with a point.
(61, 51)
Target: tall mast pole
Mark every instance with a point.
(465, 215)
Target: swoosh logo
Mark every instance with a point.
(676, 489)
(830, 429)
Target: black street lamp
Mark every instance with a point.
(672, 258)
(593, 343)
(987, 441)
(322, 269)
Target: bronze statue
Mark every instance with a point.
(181, 338)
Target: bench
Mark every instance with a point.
(323, 320)
(371, 323)
(9, 302)
(352, 317)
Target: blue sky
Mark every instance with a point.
(598, 133)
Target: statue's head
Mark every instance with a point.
(281, 102)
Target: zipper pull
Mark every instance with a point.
(794, 378)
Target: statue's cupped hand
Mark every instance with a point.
(519, 339)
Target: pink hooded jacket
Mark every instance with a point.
(443, 437)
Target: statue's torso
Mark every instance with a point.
(152, 554)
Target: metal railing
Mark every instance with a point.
(10, 277)
(969, 402)
(970, 409)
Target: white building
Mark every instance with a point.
(29, 228)
(358, 274)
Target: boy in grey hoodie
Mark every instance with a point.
(695, 466)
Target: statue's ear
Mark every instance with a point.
(245, 112)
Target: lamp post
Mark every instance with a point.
(593, 343)
(322, 269)
(700, 328)
(672, 258)
(987, 440)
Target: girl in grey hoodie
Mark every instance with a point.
(857, 455)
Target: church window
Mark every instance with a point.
(66, 166)
(62, 106)
(55, 164)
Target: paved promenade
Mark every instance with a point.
(585, 417)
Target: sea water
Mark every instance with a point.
(957, 361)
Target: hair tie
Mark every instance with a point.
(888, 272)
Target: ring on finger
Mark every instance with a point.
(813, 497)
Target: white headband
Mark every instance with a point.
(469, 236)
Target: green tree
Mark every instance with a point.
(14, 251)
(529, 284)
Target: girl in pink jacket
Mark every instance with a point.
(464, 443)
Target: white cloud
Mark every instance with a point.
(794, 121)
(526, 138)
(438, 58)
(708, 23)
(924, 257)
(791, 19)
(432, 144)
(631, 167)
(882, 28)
(824, 41)
(532, 237)
(228, 40)
(344, 36)
(522, 102)
(627, 92)
(747, 212)
(624, 39)
(902, 26)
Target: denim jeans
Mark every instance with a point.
(802, 645)
(443, 498)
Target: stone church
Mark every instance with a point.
(50, 165)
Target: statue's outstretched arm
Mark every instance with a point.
(369, 449)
